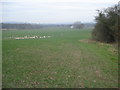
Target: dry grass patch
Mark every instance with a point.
(113, 48)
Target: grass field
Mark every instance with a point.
(65, 60)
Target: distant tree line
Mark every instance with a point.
(106, 28)
(31, 26)
(22, 26)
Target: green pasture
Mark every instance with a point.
(61, 61)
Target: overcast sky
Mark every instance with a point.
(52, 11)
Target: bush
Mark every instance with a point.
(106, 28)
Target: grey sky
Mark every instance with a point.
(52, 11)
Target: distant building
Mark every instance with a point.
(71, 26)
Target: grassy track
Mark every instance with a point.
(60, 61)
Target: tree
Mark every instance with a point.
(106, 27)
(78, 25)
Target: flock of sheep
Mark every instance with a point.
(31, 37)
